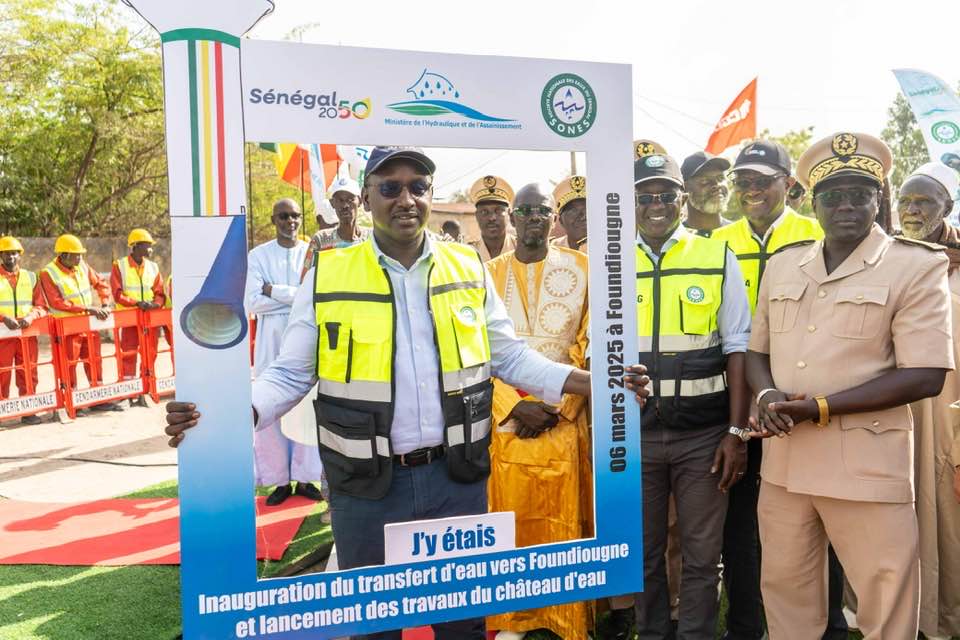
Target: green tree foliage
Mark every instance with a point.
(905, 140)
(81, 120)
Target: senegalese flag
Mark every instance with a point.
(213, 128)
(292, 162)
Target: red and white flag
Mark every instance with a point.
(739, 121)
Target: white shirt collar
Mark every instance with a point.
(386, 260)
(776, 223)
(669, 242)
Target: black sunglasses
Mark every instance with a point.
(760, 184)
(856, 197)
(393, 188)
(527, 211)
(646, 199)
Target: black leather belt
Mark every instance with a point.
(418, 457)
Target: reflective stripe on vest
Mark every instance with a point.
(678, 299)
(753, 256)
(74, 287)
(137, 286)
(355, 315)
(16, 302)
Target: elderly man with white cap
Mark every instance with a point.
(345, 200)
(925, 201)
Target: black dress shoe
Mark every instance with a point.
(279, 494)
(34, 419)
(308, 490)
(619, 624)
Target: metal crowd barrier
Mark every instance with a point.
(153, 324)
(68, 393)
(96, 392)
(35, 400)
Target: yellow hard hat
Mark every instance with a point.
(139, 235)
(68, 243)
(9, 243)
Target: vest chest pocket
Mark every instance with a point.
(859, 311)
(784, 305)
(333, 349)
(469, 329)
(697, 311)
(371, 352)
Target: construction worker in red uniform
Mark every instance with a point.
(69, 283)
(136, 283)
(21, 302)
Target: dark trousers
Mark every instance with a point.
(741, 552)
(678, 462)
(416, 493)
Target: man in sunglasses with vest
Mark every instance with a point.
(402, 334)
(761, 180)
(693, 324)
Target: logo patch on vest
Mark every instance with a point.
(695, 294)
(468, 315)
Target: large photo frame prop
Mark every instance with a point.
(221, 90)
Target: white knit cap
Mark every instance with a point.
(943, 174)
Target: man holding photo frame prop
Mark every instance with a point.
(345, 95)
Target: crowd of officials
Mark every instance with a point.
(796, 377)
(69, 286)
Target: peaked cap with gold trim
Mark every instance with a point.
(491, 188)
(844, 154)
(569, 190)
(643, 148)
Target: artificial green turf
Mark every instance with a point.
(48, 602)
(44, 602)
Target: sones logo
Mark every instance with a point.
(945, 132)
(568, 105)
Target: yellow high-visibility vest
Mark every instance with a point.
(74, 287)
(168, 290)
(136, 285)
(16, 302)
(678, 299)
(355, 315)
(753, 255)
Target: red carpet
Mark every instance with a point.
(124, 531)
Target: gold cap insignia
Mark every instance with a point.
(845, 144)
(491, 188)
(844, 153)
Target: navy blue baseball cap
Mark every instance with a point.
(379, 155)
(657, 167)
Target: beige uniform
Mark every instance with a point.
(885, 307)
(509, 244)
(937, 450)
